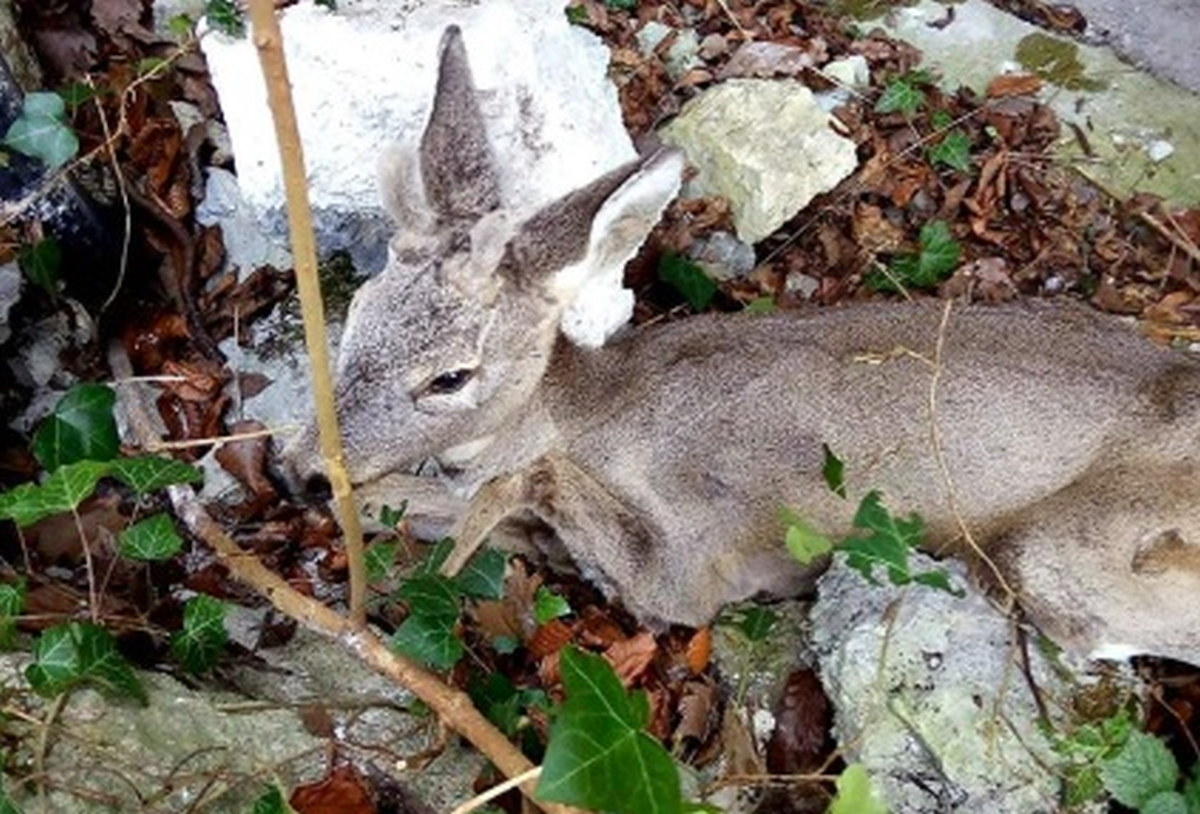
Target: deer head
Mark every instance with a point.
(448, 345)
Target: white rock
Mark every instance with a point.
(850, 72)
(684, 53)
(246, 245)
(363, 80)
(1159, 150)
(765, 145)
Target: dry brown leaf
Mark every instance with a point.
(801, 740)
(1173, 309)
(550, 638)
(631, 658)
(246, 460)
(597, 629)
(697, 711)
(987, 278)
(764, 60)
(342, 791)
(740, 756)
(874, 233)
(1014, 84)
(495, 618)
(197, 381)
(116, 18)
(699, 651)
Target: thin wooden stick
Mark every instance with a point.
(268, 39)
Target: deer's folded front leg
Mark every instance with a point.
(608, 541)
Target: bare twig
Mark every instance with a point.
(495, 791)
(935, 440)
(268, 39)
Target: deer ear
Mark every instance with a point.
(457, 170)
(594, 231)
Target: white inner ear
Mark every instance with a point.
(403, 192)
(622, 224)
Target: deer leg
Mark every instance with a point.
(497, 499)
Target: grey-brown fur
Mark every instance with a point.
(1063, 443)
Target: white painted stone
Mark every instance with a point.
(363, 80)
(765, 145)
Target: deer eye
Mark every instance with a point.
(451, 382)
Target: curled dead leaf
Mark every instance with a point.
(631, 657)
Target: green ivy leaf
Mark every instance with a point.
(761, 305)
(81, 653)
(147, 473)
(226, 17)
(81, 427)
(855, 794)
(75, 94)
(180, 26)
(12, 602)
(1191, 791)
(886, 541)
(598, 737)
(150, 65)
(938, 257)
(688, 279)
(834, 472)
(900, 95)
(7, 806)
(41, 130)
(483, 575)
(548, 605)
(753, 621)
(390, 517)
(272, 801)
(507, 706)
(41, 263)
(151, 539)
(381, 559)
(430, 640)
(1142, 769)
(437, 555)
(429, 633)
(199, 644)
(1165, 802)
(954, 151)
(61, 492)
(431, 595)
(803, 541)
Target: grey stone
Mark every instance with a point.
(765, 145)
(929, 695)
(216, 747)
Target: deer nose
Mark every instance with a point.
(303, 481)
(316, 489)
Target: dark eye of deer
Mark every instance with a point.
(450, 382)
